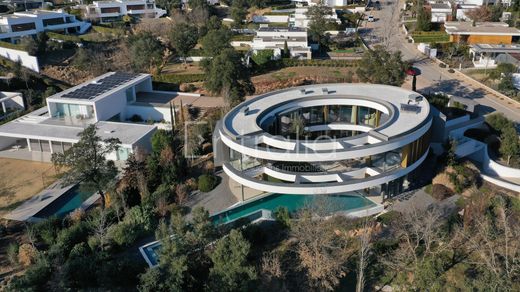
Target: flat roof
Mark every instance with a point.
(279, 39)
(489, 48)
(440, 6)
(282, 29)
(240, 122)
(480, 28)
(100, 86)
(127, 133)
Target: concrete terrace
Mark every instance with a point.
(163, 99)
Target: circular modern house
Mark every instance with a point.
(325, 139)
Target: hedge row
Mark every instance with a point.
(179, 78)
(11, 46)
(319, 63)
(242, 38)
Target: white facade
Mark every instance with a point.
(110, 11)
(356, 136)
(20, 24)
(330, 3)
(441, 12)
(109, 101)
(300, 18)
(274, 38)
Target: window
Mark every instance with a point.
(134, 7)
(111, 10)
(23, 26)
(129, 94)
(53, 21)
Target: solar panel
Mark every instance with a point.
(101, 86)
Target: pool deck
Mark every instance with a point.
(31, 207)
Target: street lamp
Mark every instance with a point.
(414, 72)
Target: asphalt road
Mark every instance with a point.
(386, 31)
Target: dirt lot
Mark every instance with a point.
(20, 180)
(179, 68)
(295, 76)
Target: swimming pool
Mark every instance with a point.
(333, 203)
(66, 203)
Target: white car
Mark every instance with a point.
(371, 19)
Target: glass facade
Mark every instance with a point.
(73, 110)
(289, 123)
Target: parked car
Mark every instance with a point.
(371, 18)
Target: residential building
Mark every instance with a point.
(481, 32)
(109, 101)
(325, 139)
(24, 4)
(330, 3)
(28, 23)
(274, 38)
(300, 19)
(488, 56)
(441, 12)
(110, 11)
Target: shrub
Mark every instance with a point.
(441, 192)
(124, 234)
(12, 253)
(282, 216)
(27, 255)
(451, 70)
(136, 118)
(207, 182)
(179, 78)
(442, 65)
(71, 236)
(389, 217)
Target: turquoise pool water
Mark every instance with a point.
(65, 204)
(294, 203)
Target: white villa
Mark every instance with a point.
(109, 101)
(110, 11)
(441, 12)
(19, 24)
(274, 38)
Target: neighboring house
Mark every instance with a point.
(441, 12)
(110, 11)
(24, 4)
(10, 102)
(274, 38)
(484, 2)
(300, 18)
(19, 24)
(109, 101)
(489, 56)
(330, 3)
(481, 32)
(462, 9)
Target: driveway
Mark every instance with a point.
(218, 199)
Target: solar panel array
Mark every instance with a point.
(91, 90)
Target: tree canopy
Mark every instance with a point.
(215, 41)
(184, 37)
(379, 66)
(86, 161)
(146, 52)
(226, 74)
(320, 21)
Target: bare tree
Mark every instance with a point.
(365, 246)
(99, 226)
(322, 248)
(420, 239)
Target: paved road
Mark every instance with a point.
(386, 31)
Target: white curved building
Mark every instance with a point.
(325, 139)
